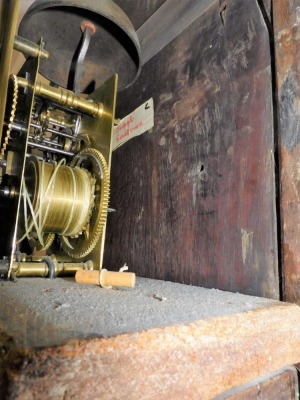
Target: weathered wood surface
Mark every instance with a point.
(139, 10)
(195, 197)
(286, 16)
(49, 313)
(281, 385)
(196, 361)
(169, 21)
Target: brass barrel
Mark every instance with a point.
(62, 195)
(65, 98)
(41, 269)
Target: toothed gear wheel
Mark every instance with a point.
(93, 161)
(11, 113)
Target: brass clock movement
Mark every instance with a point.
(57, 116)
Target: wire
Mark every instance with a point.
(37, 221)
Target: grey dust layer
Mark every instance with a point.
(39, 312)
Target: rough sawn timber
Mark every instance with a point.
(286, 16)
(280, 385)
(199, 360)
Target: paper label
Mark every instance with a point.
(136, 123)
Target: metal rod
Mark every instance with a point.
(58, 145)
(66, 135)
(30, 269)
(47, 141)
(41, 268)
(88, 30)
(18, 127)
(71, 268)
(37, 126)
(48, 148)
(64, 97)
(60, 125)
(29, 48)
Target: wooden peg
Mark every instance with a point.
(106, 278)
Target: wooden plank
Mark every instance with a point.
(169, 21)
(139, 11)
(196, 361)
(286, 16)
(281, 385)
(48, 313)
(195, 198)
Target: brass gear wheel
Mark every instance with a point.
(93, 161)
(12, 114)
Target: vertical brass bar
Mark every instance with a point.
(32, 68)
(8, 25)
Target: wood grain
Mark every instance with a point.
(169, 20)
(139, 10)
(196, 361)
(286, 18)
(195, 197)
(281, 385)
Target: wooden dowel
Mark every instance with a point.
(89, 277)
(106, 278)
(117, 279)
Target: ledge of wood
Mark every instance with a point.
(197, 343)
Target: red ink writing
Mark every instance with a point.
(125, 125)
(128, 130)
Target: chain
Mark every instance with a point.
(11, 118)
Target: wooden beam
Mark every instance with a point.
(167, 23)
(282, 384)
(286, 17)
(195, 361)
